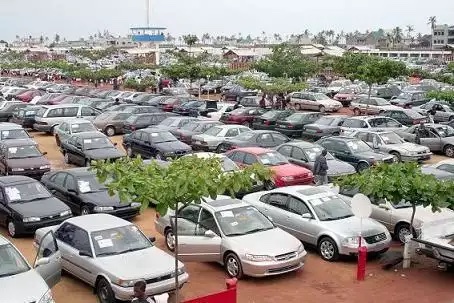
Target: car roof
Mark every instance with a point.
(224, 203)
(10, 180)
(228, 126)
(302, 144)
(154, 129)
(341, 138)
(254, 150)
(307, 191)
(64, 105)
(8, 125)
(84, 135)
(18, 142)
(78, 171)
(96, 222)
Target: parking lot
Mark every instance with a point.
(318, 281)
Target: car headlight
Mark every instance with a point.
(44, 167)
(103, 208)
(301, 249)
(17, 169)
(125, 283)
(287, 178)
(180, 271)
(47, 298)
(31, 219)
(65, 213)
(259, 258)
(352, 241)
(135, 204)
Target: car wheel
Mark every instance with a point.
(104, 292)
(402, 230)
(66, 158)
(233, 266)
(221, 148)
(129, 151)
(449, 151)
(84, 211)
(87, 162)
(269, 185)
(397, 157)
(12, 231)
(357, 112)
(57, 140)
(298, 106)
(110, 131)
(362, 166)
(328, 249)
(170, 239)
(160, 156)
(247, 124)
(322, 109)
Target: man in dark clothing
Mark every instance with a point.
(139, 293)
(421, 132)
(262, 102)
(321, 168)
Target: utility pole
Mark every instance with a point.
(147, 2)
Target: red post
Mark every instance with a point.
(231, 283)
(362, 259)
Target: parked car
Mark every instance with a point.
(268, 120)
(391, 143)
(314, 101)
(111, 122)
(304, 154)
(22, 157)
(445, 165)
(335, 86)
(190, 108)
(212, 138)
(169, 104)
(324, 126)
(294, 124)
(234, 234)
(255, 138)
(405, 116)
(440, 112)
(10, 131)
(221, 109)
(285, 173)
(80, 149)
(67, 129)
(371, 106)
(25, 116)
(174, 123)
(439, 174)
(212, 87)
(440, 137)
(143, 109)
(386, 92)
(120, 107)
(140, 121)
(28, 95)
(319, 217)
(110, 249)
(45, 273)
(7, 112)
(27, 205)
(346, 95)
(80, 189)
(354, 151)
(408, 99)
(154, 142)
(353, 124)
(244, 115)
(235, 93)
(191, 129)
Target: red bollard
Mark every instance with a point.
(231, 283)
(362, 259)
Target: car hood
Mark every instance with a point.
(373, 155)
(102, 198)
(270, 242)
(409, 147)
(336, 167)
(172, 146)
(207, 138)
(289, 170)
(104, 153)
(352, 226)
(141, 264)
(35, 288)
(35, 162)
(40, 208)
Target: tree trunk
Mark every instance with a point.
(370, 91)
(413, 207)
(175, 297)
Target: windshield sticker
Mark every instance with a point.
(154, 134)
(105, 243)
(265, 161)
(97, 238)
(234, 223)
(12, 150)
(316, 202)
(5, 133)
(352, 145)
(13, 193)
(29, 113)
(84, 186)
(75, 125)
(227, 214)
(87, 141)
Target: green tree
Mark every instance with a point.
(447, 95)
(186, 180)
(401, 182)
(141, 86)
(275, 86)
(190, 40)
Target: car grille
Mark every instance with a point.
(282, 269)
(180, 152)
(286, 256)
(375, 238)
(159, 279)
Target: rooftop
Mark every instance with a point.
(96, 222)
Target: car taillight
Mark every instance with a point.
(233, 147)
(266, 122)
(319, 131)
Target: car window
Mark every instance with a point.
(354, 123)
(137, 135)
(377, 122)
(65, 233)
(250, 159)
(70, 182)
(59, 179)
(86, 111)
(279, 139)
(208, 222)
(70, 111)
(190, 213)
(237, 156)
(233, 132)
(362, 136)
(297, 153)
(64, 127)
(297, 206)
(391, 123)
(265, 138)
(143, 120)
(285, 150)
(278, 200)
(81, 240)
(56, 112)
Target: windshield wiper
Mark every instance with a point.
(13, 273)
(257, 230)
(34, 199)
(130, 250)
(343, 217)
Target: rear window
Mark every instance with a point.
(353, 123)
(414, 114)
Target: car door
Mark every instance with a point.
(299, 158)
(48, 263)
(89, 113)
(72, 198)
(57, 187)
(238, 158)
(143, 145)
(343, 152)
(305, 229)
(265, 140)
(4, 210)
(62, 131)
(275, 207)
(69, 148)
(78, 152)
(83, 265)
(383, 213)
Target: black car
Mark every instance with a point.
(6, 112)
(408, 99)
(237, 92)
(407, 117)
(293, 125)
(143, 99)
(80, 189)
(325, 126)
(354, 151)
(25, 116)
(9, 131)
(139, 121)
(185, 133)
(26, 205)
(190, 108)
(268, 120)
(255, 138)
(80, 149)
(154, 143)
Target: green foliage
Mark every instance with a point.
(349, 63)
(61, 65)
(94, 54)
(275, 86)
(447, 95)
(185, 180)
(130, 66)
(141, 86)
(190, 40)
(451, 67)
(101, 74)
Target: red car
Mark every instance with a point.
(285, 173)
(243, 115)
(168, 105)
(28, 95)
(345, 96)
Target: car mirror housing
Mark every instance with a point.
(84, 253)
(306, 216)
(42, 261)
(152, 239)
(383, 206)
(210, 234)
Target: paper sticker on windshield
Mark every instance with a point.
(75, 125)
(97, 238)
(13, 193)
(353, 145)
(105, 243)
(87, 141)
(227, 214)
(316, 202)
(84, 186)
(12, 150)
(154, 134)
(234, 223)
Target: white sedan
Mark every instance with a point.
(213, 137)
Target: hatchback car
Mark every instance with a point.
(353, 124)
(144, 120)
(319, 217)
(370, 106)
(191, 129)
(244, 115)
(324, 126)
(11, 131)
(110, 249)
(314, 101)
(234, 234)
(67, 129)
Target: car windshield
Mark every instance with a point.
(391, 138)
(213, 131)
(241, 221)
(272, 158)
(358, 146)
(96, 143)
(381, 102)
(27, 151)
(90, 184)
(330, 208)
(14, 134)
(326, 121)
(11, 262)
(313, 152)
(190, 126)
(161, 137)
(444, 131)
(82, 127)
(119, 240)
(401, 204)
(26, 192)
(228, 165)
(245, 136)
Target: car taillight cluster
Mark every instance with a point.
(266, 122)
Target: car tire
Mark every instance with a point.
(84, 210)
(129, 151)
(12, 230)
(449, 151)
(362, 166)
(221, 148)
(110, 131)
(356, 112)
(104, 292)
(322, 109)
(232, 265)
(66, 158)
(401, 230)
(160, 156)
(57, 140)
(327, 249)
(169, 239)
(397, 156)
(269, 185)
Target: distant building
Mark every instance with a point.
(442, 35)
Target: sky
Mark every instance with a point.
(81, 18)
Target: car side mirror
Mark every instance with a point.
(306, 216)
(42, 261)
(152, 239)
(44, 153)
(210, 234)
(383, 206)
(84, 253)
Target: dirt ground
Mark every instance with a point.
(318, 281)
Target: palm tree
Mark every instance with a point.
(389, 39)
(307, 33)
(264, 37)
(410, 29)
(397, 35)
(432, 22)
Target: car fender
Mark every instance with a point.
(330, 234)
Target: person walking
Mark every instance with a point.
(421, 132)
(321, 168)
(139, 293)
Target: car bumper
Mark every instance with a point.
(259, 126)
(299, 181)
(157, 288)
(32, 173)
(314, 135)
(203, 147)
(124, 213)
(421, 157)
(41, 127)
(333, 109)
(271, 268)
(376, 247)
(30, 228)
(290, 132)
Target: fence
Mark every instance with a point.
(226, 296)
